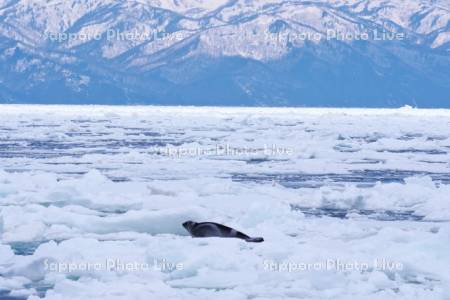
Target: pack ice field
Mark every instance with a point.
(352, 203)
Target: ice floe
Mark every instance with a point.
(92, 201)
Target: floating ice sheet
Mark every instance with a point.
(351, 203)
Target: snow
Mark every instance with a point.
(90, 209)
(441, 39)
(229, 24)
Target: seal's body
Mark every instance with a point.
(210, 229)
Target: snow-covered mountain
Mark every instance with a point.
(226, 52)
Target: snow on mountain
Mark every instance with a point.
(269, 52)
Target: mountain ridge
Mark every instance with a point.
(226, 52)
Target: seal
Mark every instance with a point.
(210, 229)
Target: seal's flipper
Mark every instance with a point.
(255, 240)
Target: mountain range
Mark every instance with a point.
(364, 53)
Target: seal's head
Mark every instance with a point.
(188, 225)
